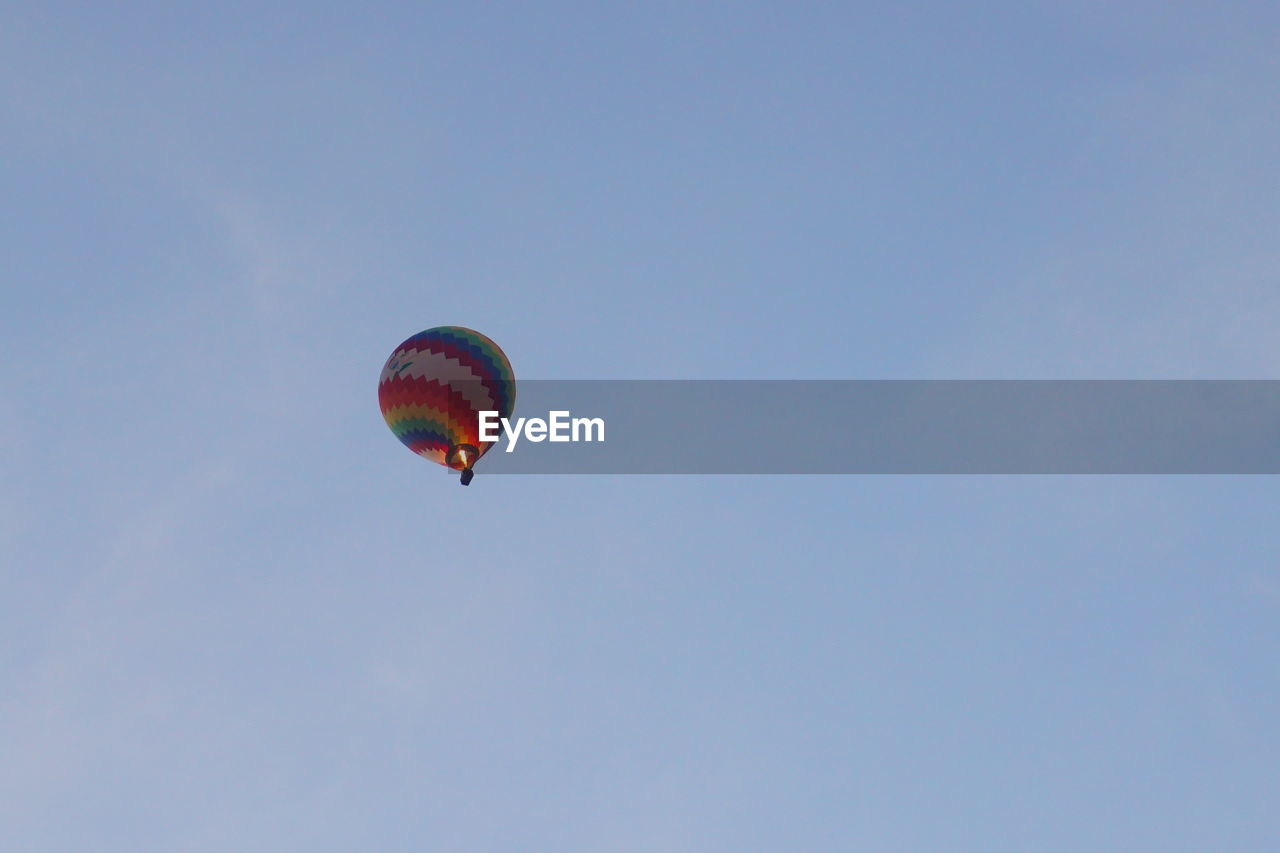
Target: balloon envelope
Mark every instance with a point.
(434, 386)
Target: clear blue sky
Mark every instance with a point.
(235, 614)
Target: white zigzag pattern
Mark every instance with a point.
(433, 365)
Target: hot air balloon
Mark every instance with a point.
(433, 388)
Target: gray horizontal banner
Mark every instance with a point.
(896, 427)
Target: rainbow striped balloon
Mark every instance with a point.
(433, 387)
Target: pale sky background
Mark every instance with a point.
(235, 614)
